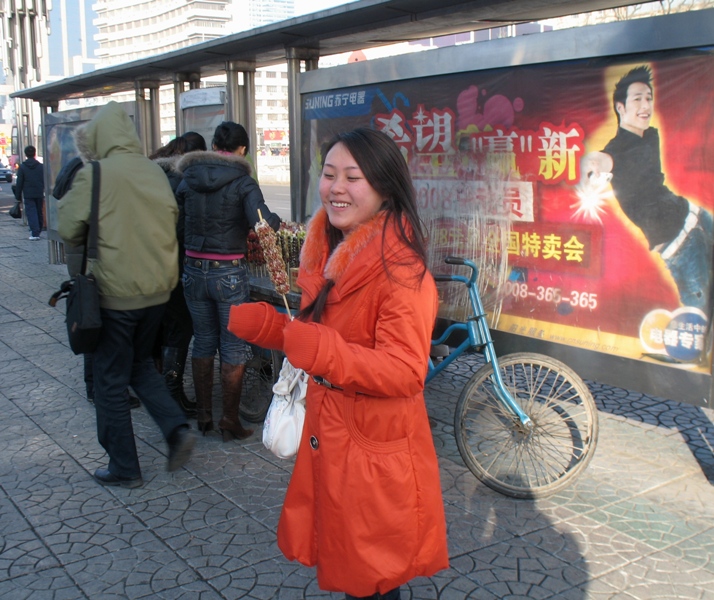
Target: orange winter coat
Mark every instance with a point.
(364, 502)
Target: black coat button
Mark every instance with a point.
(313, 442)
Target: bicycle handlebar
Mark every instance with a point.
(455, 260)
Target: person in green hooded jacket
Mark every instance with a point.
(136, 270)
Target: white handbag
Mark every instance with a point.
(283, 423)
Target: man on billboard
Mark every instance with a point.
(679, 230)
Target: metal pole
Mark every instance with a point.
(155, 116)
(297, 194)
(179, 88)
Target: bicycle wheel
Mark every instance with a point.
(510, 458)
(261, 373)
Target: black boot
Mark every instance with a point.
(232, 384)
(203, 384)
(173, 369)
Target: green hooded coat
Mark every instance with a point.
(137, 264)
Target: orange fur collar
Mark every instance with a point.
(314, 253)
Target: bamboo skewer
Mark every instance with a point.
(273, 258)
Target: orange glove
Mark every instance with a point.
(258, 323)
(301, 343)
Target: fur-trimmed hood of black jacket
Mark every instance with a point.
(208, 171)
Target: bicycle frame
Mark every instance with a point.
(479, 335)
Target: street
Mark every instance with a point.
(6, 197)
(277, 197)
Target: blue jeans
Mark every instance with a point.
(33, 210)
(210, 293)
(123, 358)
(691, 264)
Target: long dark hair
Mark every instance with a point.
(384, 167)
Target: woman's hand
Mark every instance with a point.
(257, 323)
(301, 343)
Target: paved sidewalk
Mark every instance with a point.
(639, 523)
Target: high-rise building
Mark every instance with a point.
(254, 13)
(23, 54)
(71, 41)
(129, 30)
(132, 29)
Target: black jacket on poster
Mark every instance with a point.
(638, 185)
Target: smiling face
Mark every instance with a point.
(636, 112)
(347, 196)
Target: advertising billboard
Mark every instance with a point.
(590, 209)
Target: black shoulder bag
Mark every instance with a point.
(84, 321)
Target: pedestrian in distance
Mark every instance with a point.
(219, 203)
(364, 502)
(135, 270)
(177, 327)
(30, 184)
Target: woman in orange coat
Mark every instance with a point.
(364, 502)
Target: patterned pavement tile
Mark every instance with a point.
(23, 552)
(518, 569)
(642, 520)
(140, 571)
(187, 511)
(687, 496)
(514, 516)
(697, 551)
(259, 491)
(87, 536)
(658, 577)
(590, 546)
(467, 531)
(224, 547)
(48, 584)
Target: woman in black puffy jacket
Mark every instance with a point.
(218, 202)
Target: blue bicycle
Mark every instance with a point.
(526, 424)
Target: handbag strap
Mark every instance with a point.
(90, 247)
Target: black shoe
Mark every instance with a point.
(106, 477)
(181, 442)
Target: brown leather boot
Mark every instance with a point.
(232, 384)
(203, 384)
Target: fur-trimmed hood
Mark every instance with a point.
(315, 248)
(111, 131)
(359, 257)
(168, 166)
(168, 163)
(208, 171)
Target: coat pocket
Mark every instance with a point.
(371, 508)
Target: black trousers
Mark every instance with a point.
(176, 326)
(123, 358)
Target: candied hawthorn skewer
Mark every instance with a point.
(273, 258)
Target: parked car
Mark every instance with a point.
(6, 174)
